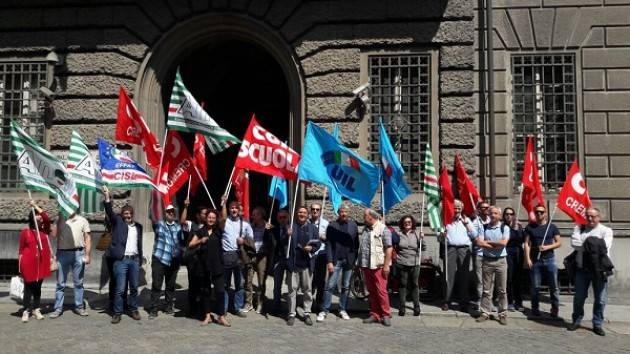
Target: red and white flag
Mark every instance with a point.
(199, 160)
(573, 198)
(240, 181)
(131, 128)
(263, 152)
(176, 167)
(468, 194)
(448, 199)
(532, 190)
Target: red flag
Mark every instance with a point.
(448, 200)
(176, 167)
(131, 128)
(532, 190)
(241, 189)
(466, 188)
(262, 152)
(199, 160)
(573, 198)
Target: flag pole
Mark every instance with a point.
(518, 208)
(555, 207)
(383, 198)
(297, 186)
(229, 185)
(39, 239)
(273, 200)
(319, 220)
(203, 183)
(188, 192)
(422, 213)
(159, 173)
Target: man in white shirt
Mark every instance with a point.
(585, 276)
(319, 273)
(74, 245)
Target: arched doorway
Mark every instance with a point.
(215, 40)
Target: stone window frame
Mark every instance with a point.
(579, 114)
(17, 189)
(364, 145)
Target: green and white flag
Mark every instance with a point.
(186, 114)
(431, 191)
(83, 168)
(43, 171)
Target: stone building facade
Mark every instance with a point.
(292, 61)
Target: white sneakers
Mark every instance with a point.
(321, 317)
(25, 316)
(38, 314)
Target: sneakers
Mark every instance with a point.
(25, 316)
(386, 321)
(291, 321)
(241, 314)
(81, 312)
(307, 319)
(482, 318)
(503, 320)
(115, 319)
(370, 320)
(321, 317)
(54, 314)
(599, 331)
(38, 314)
(344, 315)
(247, 308)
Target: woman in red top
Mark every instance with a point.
(34, 260)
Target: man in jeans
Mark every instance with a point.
(319, 272)
(126, 251)
(375, 258)
(480, 220)
(342, 244)
(494, 265)
(167, 253)
(74, 245)
(541, 239)
(235, 232)
(584, 276)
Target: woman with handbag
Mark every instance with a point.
(408, 261)
(207, 242)
(35, 260)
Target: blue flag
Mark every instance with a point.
(335, 197)
(278, 190)
(119, 170)
(327, 162)
(395, 190)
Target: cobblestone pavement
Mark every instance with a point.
(177, 334)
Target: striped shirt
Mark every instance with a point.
(169, 240)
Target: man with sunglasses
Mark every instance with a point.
(167, 252)
(541, 239)
(479, 222)
(319, 273)
(585, 276)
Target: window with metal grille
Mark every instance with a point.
(399, 94)
(544, 107)
(21, 101)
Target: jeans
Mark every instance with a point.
(515, 275)
(409, 277)
(345, 270)
(583, 279)
(162, 273)
(494, 275)
(127, 272)
(239, 292)
(68, 260)
(278, 276)
(550, 270)
(112, 285)
(301, 278)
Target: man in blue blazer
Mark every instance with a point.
(126, 251)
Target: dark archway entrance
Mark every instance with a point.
(235, 79)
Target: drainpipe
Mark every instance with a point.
(490, 67)
(482, 96)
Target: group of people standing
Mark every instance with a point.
(500, 251)
(224, 253)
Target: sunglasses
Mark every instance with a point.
(313, 209)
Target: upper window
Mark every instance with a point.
(21, 101)
(400, 96)
(544, 107)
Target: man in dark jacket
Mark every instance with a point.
(586, 273)
(303, 242)
(278, 265)
(126, 251)
(342, 243)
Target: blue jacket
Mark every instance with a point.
(116, 249)
(299, 240)
(338, 241)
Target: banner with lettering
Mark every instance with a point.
(573, 198)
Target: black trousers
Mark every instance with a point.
(194, 290)
(515, 276)
(112, 285)
(32, 290)
(319, 280)
(162, 273)
(213, 294)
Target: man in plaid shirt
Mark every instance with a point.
(167, 254)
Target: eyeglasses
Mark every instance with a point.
(539, 212)
(484, 207)
(592, 216)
